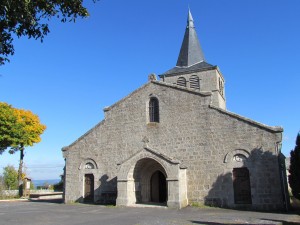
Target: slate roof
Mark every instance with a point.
(190, 52)
(191, 57)
(197, 67)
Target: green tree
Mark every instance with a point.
(1, 184)
(294, 177)
(10, 177)
(60, 185)
(2, 187)
(7, 126)
(32, 187)
(29, 18)
(18, 129)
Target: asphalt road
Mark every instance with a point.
(45, 213)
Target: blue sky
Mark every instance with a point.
(84, 66)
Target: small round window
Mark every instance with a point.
(89, 166)
(239, 158)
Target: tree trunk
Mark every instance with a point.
(21, 171)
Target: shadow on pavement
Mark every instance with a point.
(214, 223)
(267, 222)
(56, 201)
(285, 222)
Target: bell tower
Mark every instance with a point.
(193, 72)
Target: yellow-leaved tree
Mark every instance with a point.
(19, 128)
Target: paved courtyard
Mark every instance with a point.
(45, 213)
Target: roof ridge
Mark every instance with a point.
(161, 83)
(203, 93)
(66, 148)
(123, 99)
(201, 66)
(271, 128)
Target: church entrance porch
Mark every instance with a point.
(149, 177)
(150, 185)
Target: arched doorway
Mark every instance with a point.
(150, 183)
(158, 187)
(134, 180)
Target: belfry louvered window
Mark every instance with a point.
(153, 110)
(181, 81)
(194, 82)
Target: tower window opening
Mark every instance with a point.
(181, 81)
(194, 82)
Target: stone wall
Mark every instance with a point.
(9, 193)
(190, 130)
(211, 80)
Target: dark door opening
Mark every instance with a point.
(158, 187)
(241, 186)
(88, 188)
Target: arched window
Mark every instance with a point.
(181, 81)
(89, 165)
(239, 158)
(194, 82)
(153, 110)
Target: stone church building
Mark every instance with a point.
(172, 142)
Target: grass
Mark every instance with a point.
(200, 205)
(4, 197)
(110, 206)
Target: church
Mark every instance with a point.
(172, 142)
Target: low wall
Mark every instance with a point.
(46, 196)
(14, 193)
(9, 193)
(41, 191)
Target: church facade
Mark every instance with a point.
(172, 142)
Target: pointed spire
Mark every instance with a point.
(190, 52)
